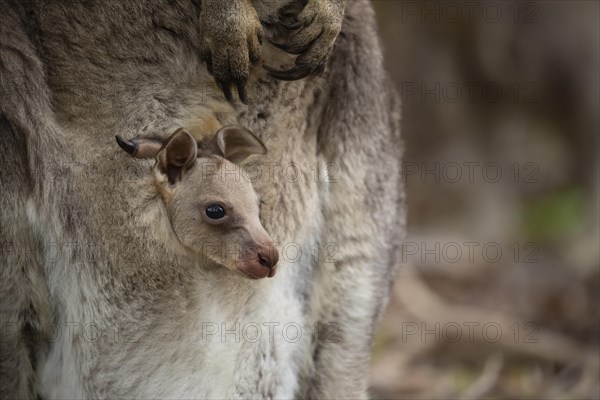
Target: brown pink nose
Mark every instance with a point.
(268, 256)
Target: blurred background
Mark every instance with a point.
(498, 295)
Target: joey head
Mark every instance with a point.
(213, 210)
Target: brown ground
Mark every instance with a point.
(528, 319)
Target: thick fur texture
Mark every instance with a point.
(95, 302)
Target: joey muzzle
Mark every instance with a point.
(262, 264)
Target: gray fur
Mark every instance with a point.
(74, 74)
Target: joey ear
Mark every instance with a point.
(236, 143)
(140, 146)
(177, 155)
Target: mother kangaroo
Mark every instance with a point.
(96, 300)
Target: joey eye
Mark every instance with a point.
(215, 211)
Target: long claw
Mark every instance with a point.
(289, 49)
(296, 49)
(241, 89)
(293, 74)
(260, 37)
(227, 91)
(319, 70)
(126, 145)
(206, 55)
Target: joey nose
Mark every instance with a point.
(268, 256)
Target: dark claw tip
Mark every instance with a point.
(129, 147)
(241, 89)
(226, 89)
